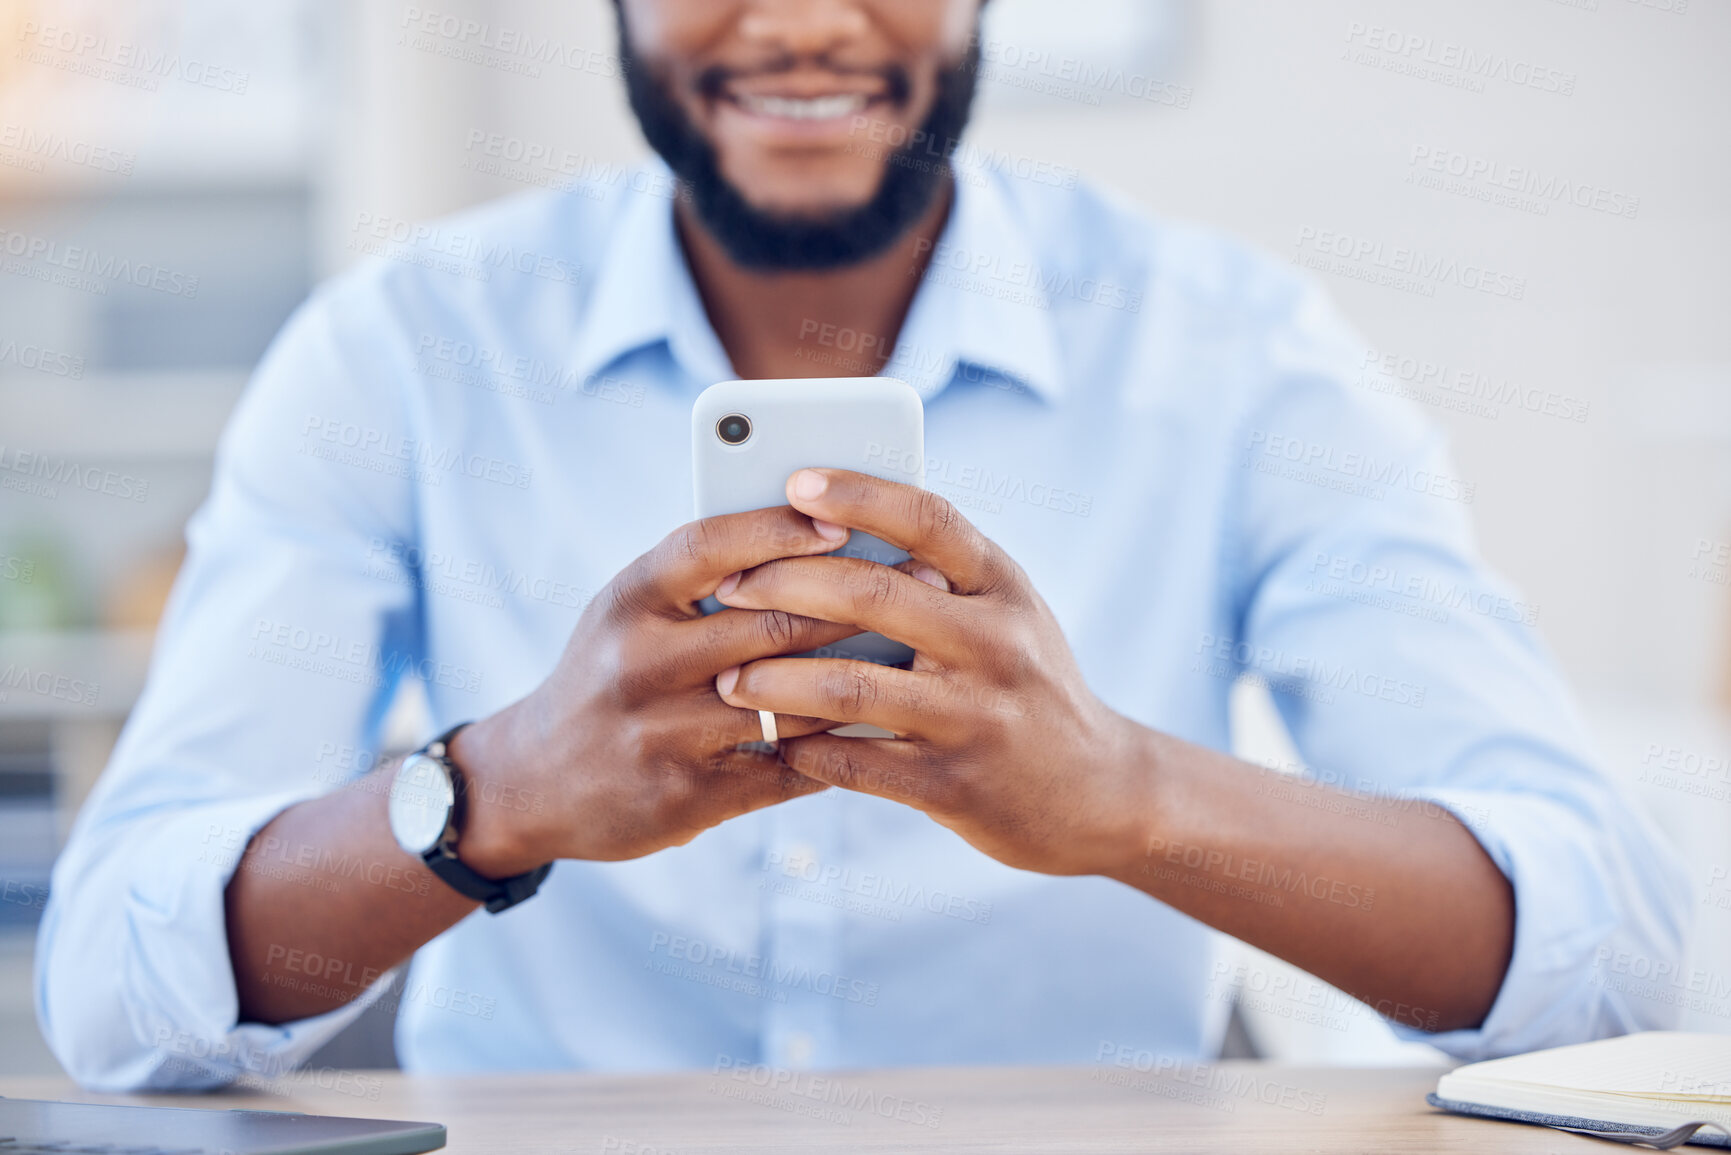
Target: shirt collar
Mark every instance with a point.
(979, 307)
(643, 294)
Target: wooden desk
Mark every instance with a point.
(1238, 1107)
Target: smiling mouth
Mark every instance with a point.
(803, 108)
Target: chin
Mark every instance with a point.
(812, 192)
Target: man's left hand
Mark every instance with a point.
(998, 738)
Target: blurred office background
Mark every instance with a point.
(240, 144)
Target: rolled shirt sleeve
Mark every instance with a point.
(289, 625)
(1584, 901)
(175, 1011)
(1403, 665)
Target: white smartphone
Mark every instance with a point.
(749, 437)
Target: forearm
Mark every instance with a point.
(1394, 902)
(324, 902)
(624, 750)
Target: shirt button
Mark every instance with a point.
(800, 1047)
(801, 861)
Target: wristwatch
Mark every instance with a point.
(427, 805)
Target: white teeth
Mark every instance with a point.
(812, 108)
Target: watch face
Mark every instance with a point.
(420, 806)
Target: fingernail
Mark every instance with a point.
(932, 577)
(728, 585)
(829, 530)
(809, 483)
(727, 680)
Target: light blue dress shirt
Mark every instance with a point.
(448, 451)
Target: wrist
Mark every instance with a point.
(500, 835)
(1131, 813)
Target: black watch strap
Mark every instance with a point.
(496, 894)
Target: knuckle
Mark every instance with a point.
(638, 667)
(1002, 573)
(842, 768)
(935, 516)
(946, 781)
(881, 586)
(632, 689)
(624, 597)
(1014, 663)
(849, 688)
(676, 790)
(638, 654)
(782, 532)
(779, 629)
(693, 542)
(631, 732)
(630, 651)
(601, 657)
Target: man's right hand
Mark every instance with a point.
(626, 748)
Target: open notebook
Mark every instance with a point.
(1646, 1083)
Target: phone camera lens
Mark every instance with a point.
(734, 429)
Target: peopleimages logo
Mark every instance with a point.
(88, 269)
(469, 579)
(40, 359)
(883, 889)
(1387, 372)
(989, 272)
(46, 684)
(516, 374)
(1448, 62)
(1288, 672)
(40, 145)
(43, 475)
(1399, 266)
(1369, 475)
(785, 976)
(1071, 77)
(429, 461)
(499, 45)
(360, 660)
(965, 154)
(1225, 1087)
(135, 65)
(1661, 980)
(399, 239)
(1517, 186)
(1420, 588)
(1260, 873)
(798, 1091)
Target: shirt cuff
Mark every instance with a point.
(177, 977)
(1573, 889)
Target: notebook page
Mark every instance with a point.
(1656, 1064)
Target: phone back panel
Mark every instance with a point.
(871, 425)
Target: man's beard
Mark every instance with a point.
(767, 241)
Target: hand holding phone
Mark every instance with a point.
(749, 437)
